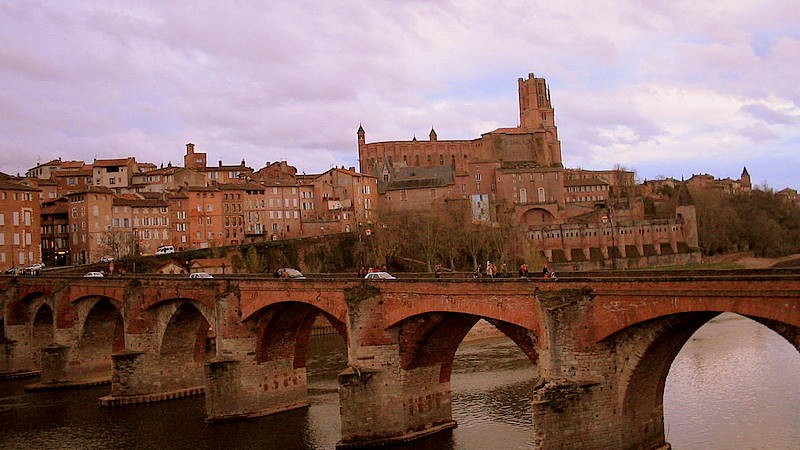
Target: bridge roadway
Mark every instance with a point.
(602, 343)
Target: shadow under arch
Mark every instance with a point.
(102, 334)
(284, 330)
(433, 338)
(22, 311)
(646, 352)
(537, 216)
(186, 344)
(42, 333)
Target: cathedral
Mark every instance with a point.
(579, 219)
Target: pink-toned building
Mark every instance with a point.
(221, 173)
(205, 217)
(347, 197)
(166, 179)
(90, 221)
(20, 240)
(114, 173)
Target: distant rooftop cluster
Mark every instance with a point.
(79, 212)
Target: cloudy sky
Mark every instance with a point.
(672, 88)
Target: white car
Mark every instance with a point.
(106, 259)
(288, 272)
(94, 275)
(33, 269)
(200, 275)
(379, 276)
(165, 249)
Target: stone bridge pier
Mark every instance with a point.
(28, 325)
(402, 343)
(263, 338)
(384, 399)
(167, 342)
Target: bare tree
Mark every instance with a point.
(118, 243)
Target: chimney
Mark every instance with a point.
(189, 148)
(220, 163)
(352, 169)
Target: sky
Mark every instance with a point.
(668, 88)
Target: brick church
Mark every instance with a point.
(579, 219)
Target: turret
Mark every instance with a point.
(432, 134)
(361, 135)
(744, 180)
(192, 160)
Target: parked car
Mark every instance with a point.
(34, 269)
(93, 275)
(379, 276)
(165, 249)
(14, 271)
(106, 259)
(200, 275)
(288, 272)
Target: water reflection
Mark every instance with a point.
(735, 384)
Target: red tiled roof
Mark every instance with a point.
(515, 130)
(112, 162)
(72, 164)
(55, 162)
(75, 173)
(8, 185)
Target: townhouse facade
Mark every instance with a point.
(20, 231)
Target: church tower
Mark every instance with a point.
(536, 113)
(535, 110)
(744, 180)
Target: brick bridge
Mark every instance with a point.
(602, 343)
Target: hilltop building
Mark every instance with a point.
(725, 185)
(516, 175)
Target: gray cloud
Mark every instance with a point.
(293, 80)
(770, 115)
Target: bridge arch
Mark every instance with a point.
(101, 334)
(30, 322)
(431, 339)
(187, 342)
(607, 322)
(646, 351)
(284, 331)
(540, 215)
(21, 311)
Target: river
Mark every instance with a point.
(735, 385)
